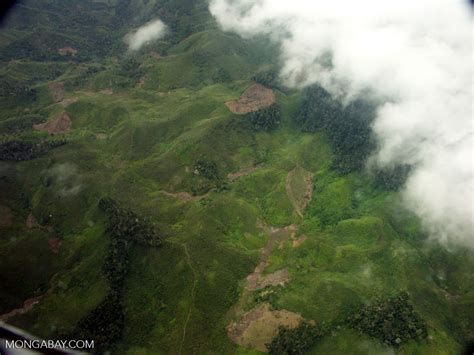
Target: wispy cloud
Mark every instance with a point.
(145, 34)
(416, 56)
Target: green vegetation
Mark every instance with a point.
(266, 119)
(393, 321)
(106, 322)
(20, 124)
(295, 341)
(268, 78)
(151, 131)
(127, 225)
(207, 168)
(348, 128)
(21, 150)
(268, 294)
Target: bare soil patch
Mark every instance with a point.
(257, 327)
(54, 244)
(299, 188)
(57, 91)
(275, 236)
(279, 277)
(254, 98)
(100, 136)
(242, 172)
(297, 241)
(107, 91)
(69, 101)
(6, 216)
(260, 325)
(58, 125)
(27, 306)
(31, 221)
(67, 50)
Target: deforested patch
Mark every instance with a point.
(67, 51)
(279, 277)
(297, 241)
(31, 221)
(54, 244)
(275, 237)
(299, 188)
(59, 125)
(57, 91)
(254, 98)
(260, 325)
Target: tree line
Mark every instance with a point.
(105, 323)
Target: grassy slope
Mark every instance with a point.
(358, 247)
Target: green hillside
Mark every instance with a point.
(150, 130)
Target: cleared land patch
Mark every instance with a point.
(260, 325)
(58, 125)
(299, 188)
(275, 236)
(257, 327)
(254, 98)
(57, 91)
(184, 196)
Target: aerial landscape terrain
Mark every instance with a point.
(179, 177)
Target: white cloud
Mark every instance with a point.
(147, 33)
(417, 56)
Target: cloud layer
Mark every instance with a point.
(416, 56)
(147, 33)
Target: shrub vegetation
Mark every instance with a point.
(392, 320)
(295, 341)
(267, 119)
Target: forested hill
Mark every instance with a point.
(179, 199)
(38, 29)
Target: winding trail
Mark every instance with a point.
(188, 317)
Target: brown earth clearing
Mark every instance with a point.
(254, 98)
(57, 91)
(258, 326)
(58, 125)
(299, 188)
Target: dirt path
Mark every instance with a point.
(29, 303)
(188, 317)
(185, 196)
(299, 188)
(242, 172)
(27, 306)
